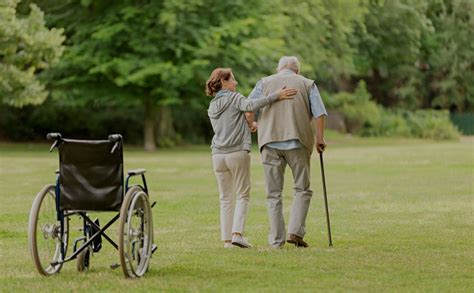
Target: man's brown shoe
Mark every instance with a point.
(296, 240)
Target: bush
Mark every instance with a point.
(89, 122)
(359, 111)
(390, 124)
(364, 117)
(431, 124)
(97, 121)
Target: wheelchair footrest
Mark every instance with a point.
(153, 248)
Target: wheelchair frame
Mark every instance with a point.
(92, 232)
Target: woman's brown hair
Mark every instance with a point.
(214, 84)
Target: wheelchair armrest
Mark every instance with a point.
(136, 172)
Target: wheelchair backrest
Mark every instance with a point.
(90, 175)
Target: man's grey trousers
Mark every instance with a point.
(274, 164)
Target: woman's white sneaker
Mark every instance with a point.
(240, 241)
(228, 245)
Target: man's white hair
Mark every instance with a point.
(289, 62)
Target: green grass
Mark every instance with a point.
(402, 215)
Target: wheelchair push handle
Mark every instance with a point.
(56, 136)
(117, 138)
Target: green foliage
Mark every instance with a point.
(431, 124)
(160, 53)
(418, 54)
(448, 55)
(390, 124)
(389, 42)
(319, 33)
(358, 109)
(410, 54)
(27, 47)
(96, 120)
(88, 122)
(163, 51)
(364, 117)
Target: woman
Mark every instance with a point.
(230, 149)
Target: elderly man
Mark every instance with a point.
(285, 137)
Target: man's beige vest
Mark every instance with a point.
(287, 119)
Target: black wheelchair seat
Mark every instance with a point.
(91, 175)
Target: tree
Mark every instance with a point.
(448, 55)
(417, 54)
(320, 33)
(160, 53)
(27, 47)
(388, 51)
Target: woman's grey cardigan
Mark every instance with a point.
(227, 114)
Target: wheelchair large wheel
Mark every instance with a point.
(44, 232)
(135, 233)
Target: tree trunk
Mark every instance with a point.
(149, 126)
(166, 131)
(344, 84)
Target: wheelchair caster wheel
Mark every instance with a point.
(83, 260)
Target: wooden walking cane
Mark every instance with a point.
(325, 198)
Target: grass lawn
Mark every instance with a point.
(402, 214)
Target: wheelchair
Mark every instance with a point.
(90, 178)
